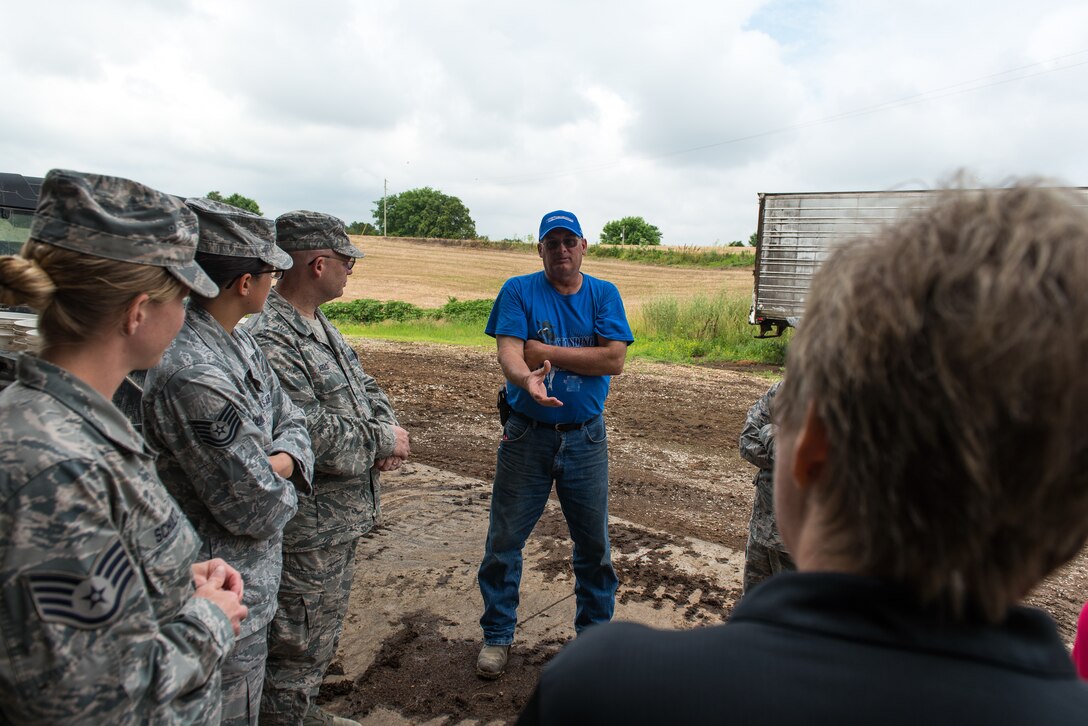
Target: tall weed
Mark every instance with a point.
(704, 327)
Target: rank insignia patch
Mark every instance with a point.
(89, 601)
(220, 432)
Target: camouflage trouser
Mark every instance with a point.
(761, 561)
(243, 677)
(302, 639)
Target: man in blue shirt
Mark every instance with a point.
(561, 335)
(931, 468)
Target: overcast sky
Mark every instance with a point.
(680, 112)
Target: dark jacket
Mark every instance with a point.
(817, 648)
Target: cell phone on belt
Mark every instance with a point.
(504, 407)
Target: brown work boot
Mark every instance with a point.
(492, 661)
(317, 716)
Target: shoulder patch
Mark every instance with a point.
(88, 602)
(221, 431)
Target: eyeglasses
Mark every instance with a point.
(552, 243)
(276, 275)
(348, 263)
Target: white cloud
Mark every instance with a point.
(680, 113)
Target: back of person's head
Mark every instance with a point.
(78, 296)
(945, 359)
(96, 242)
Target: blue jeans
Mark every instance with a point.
(530, 459)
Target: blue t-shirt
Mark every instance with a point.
(528, 307)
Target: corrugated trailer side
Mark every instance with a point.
(796, 233)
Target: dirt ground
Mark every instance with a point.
(680, 497)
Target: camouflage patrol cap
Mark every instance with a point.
(301, 230)
(122, 220)
(234, 232)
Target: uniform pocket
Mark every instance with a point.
(289, 631)
(167, 567)
(330, 385)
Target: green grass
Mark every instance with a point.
(461, 332)
(704, 329)
(365, 311)
(459, 322)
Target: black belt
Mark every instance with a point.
(557, 426)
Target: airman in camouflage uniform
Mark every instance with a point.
(217, 412)
(765, 554)
(353, 428)
(98, 619)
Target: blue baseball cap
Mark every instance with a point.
(559, 220)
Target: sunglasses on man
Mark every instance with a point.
(349, 262)
(552, 243)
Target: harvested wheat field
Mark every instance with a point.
(427, 273)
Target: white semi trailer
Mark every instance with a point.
(796, 232)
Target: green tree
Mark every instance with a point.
(362, 228)
(630, 231)
(236, 200)
(425, 212)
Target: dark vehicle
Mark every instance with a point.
(18, 198)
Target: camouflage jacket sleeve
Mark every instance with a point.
(383, 409)
(228, 468)
(97, 654)
(757, 436)
(346, 439)
(290, 435)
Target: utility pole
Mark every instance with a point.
(385, 214)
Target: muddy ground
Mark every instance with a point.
(680, 497)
